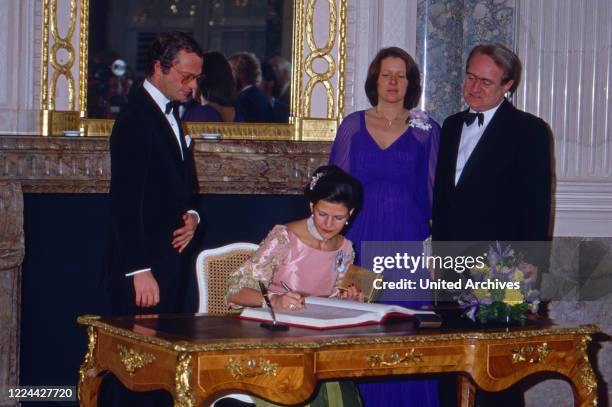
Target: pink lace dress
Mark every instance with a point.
(282, 256)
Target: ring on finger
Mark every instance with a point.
(291, 306)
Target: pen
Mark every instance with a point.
(289, 290)
(285, 286)
(264, 293)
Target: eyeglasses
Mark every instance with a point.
(186, 78)
(473, 80)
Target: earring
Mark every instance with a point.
(346, 223)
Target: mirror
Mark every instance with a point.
(120, 32)
(318, 64)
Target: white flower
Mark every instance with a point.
(418, 119)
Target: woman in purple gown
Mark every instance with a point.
(216, 94)
(392, 149)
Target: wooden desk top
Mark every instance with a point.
(202, 332)
(199, 358)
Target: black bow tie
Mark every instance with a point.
(173, 107)
(469, 117)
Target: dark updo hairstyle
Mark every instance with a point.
(165, 48)
(413, 93)
(217, 81)
(332, 184)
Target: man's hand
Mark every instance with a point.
(183, 235)
(146, 289)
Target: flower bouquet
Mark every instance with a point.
(502, 291)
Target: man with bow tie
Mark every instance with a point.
(493, 176)
(153, 183)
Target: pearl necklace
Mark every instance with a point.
(312, 229)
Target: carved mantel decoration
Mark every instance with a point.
(82, 165)
(67, 111)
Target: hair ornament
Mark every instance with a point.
(315, 178)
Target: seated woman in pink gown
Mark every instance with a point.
(310, 257)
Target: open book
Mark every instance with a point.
(329, 313)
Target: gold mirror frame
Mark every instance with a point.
(304, 79)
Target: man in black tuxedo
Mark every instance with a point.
(153, 183)
(251, 101)
(493, 176)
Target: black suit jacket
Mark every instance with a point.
(254, 105)
(151, 189)
(504, 192)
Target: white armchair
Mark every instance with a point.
(213, 267)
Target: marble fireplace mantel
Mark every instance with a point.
(82, 164)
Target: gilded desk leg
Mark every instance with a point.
(183, 396)
(466, 392)
(583, 380)
(89, 377)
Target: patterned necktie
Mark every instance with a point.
(469, 117)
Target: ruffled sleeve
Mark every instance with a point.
(272, 251)
(426, 130)
(341, 150)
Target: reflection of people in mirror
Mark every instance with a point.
(269, 86)
(109, 85)
(282, 71)
(216, 93)
(392, 149)
(117, 95)
(251, 101)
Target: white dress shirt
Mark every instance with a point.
(470, 136)
(161, 100)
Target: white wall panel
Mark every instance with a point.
(9, 12)
(20, 51)
(566, 49)
(371, 26)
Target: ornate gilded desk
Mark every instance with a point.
(199, 358)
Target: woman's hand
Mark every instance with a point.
(288, 301)
(351, 293)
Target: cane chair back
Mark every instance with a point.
(213, 268)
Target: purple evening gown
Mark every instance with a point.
(398, 185)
